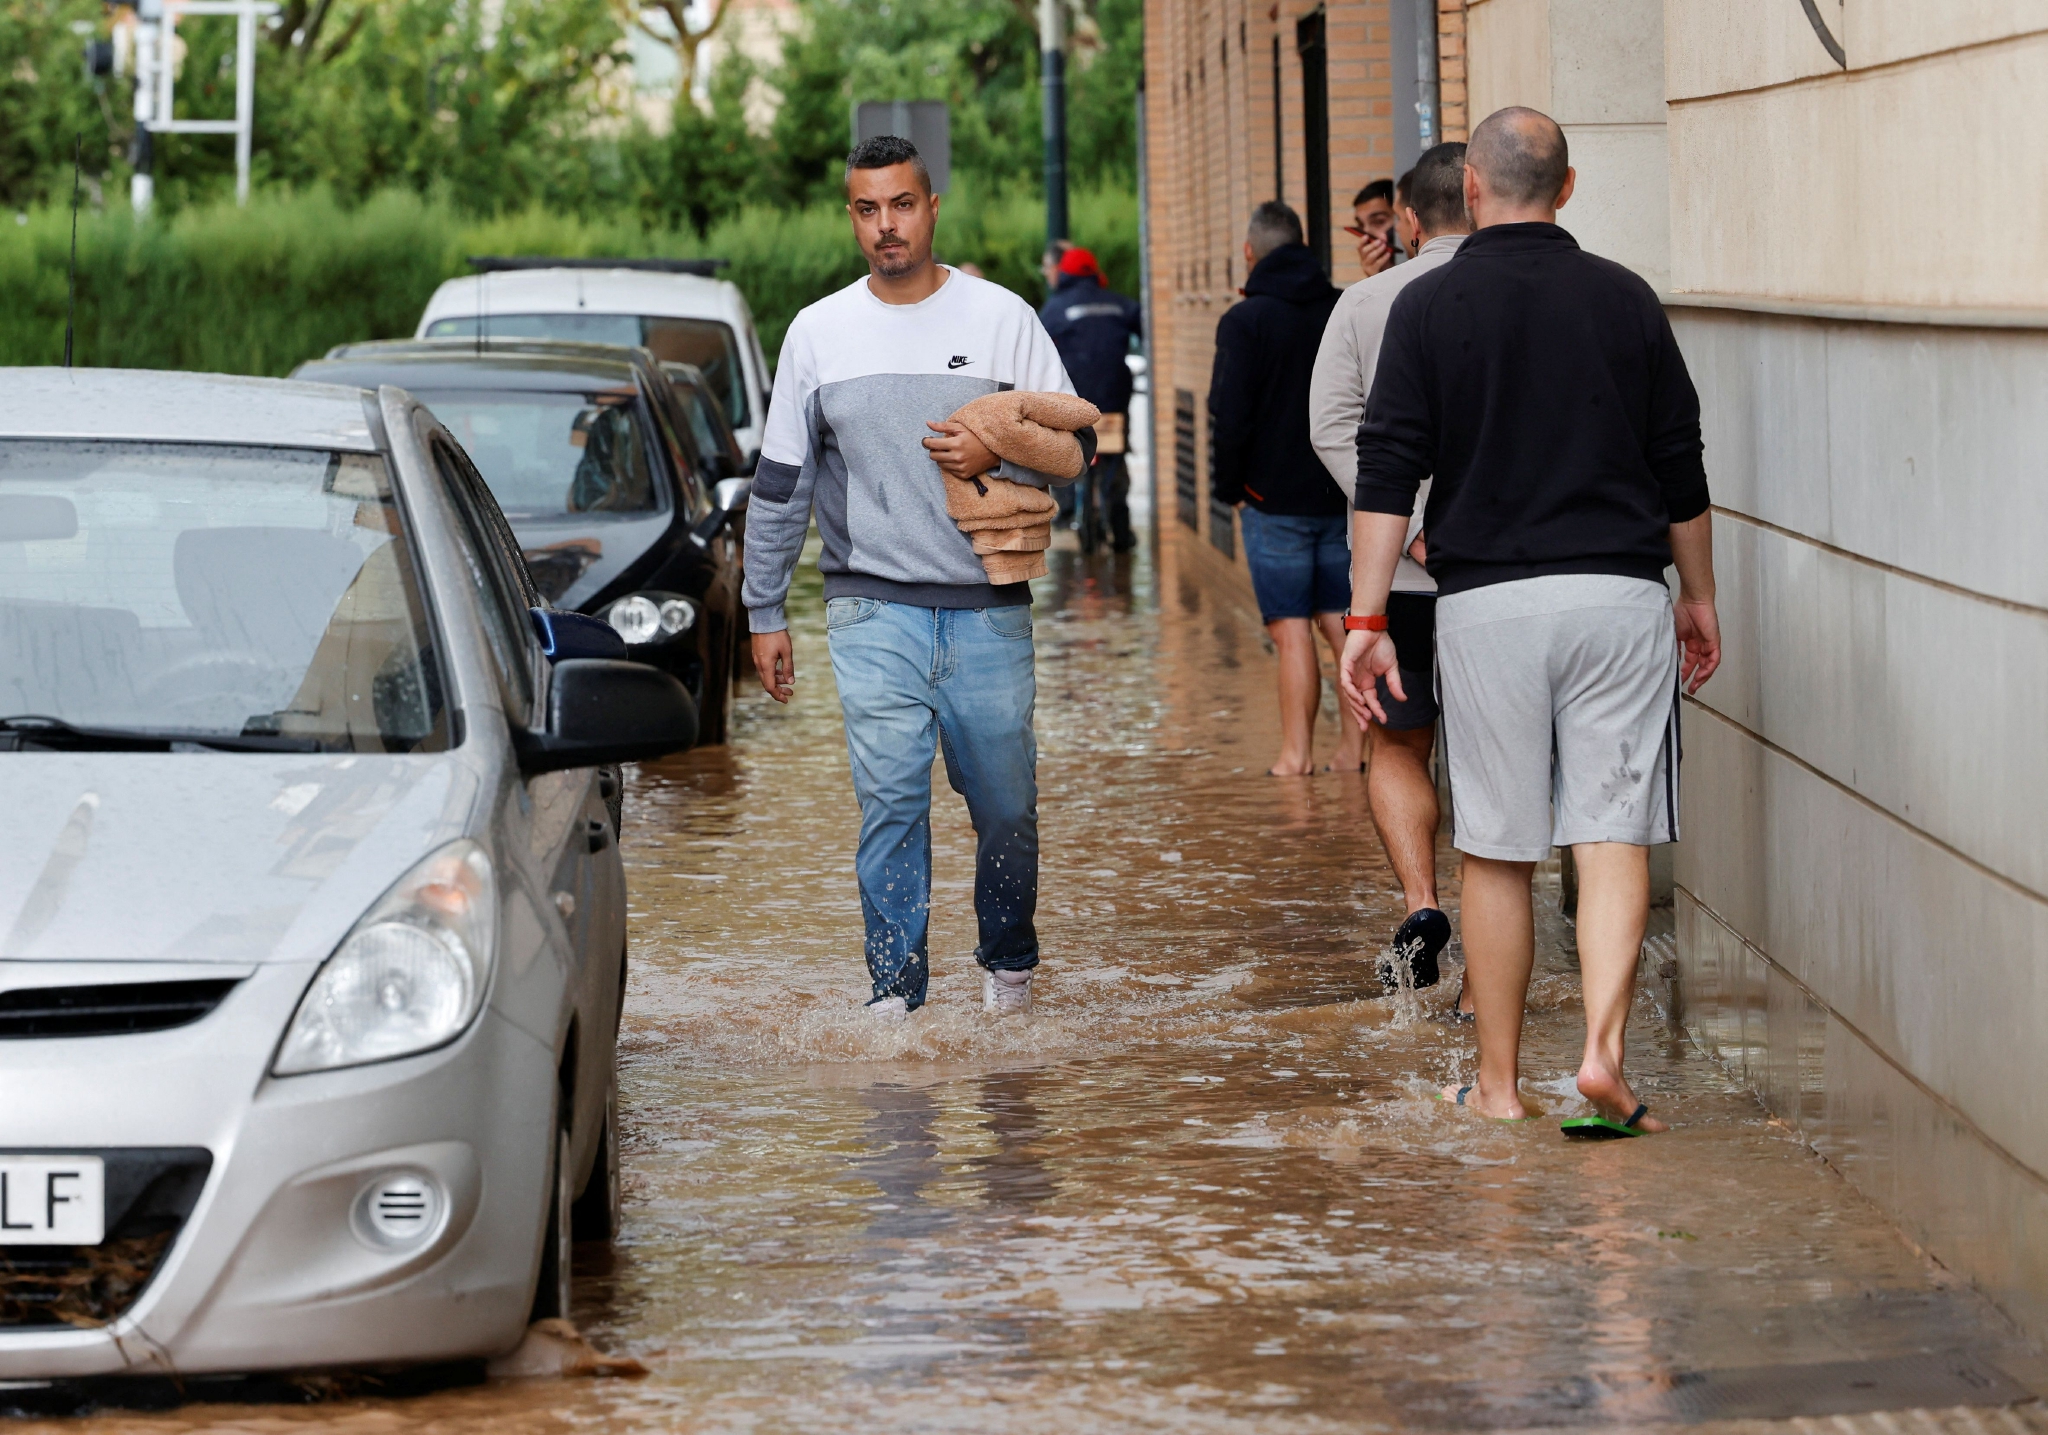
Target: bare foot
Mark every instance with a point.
(1477, 1099)
(1611, 1095)
(1291, 767)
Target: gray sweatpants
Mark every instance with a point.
(1560, 704)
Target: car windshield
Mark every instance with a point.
(707, 343)
(197, 589)
(546, 455)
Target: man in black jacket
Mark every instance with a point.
(1092, 326)
(1543, 389)
(1294, 514)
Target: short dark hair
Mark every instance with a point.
(1521, 154)
(1273, 224)
(883, 151)
(1380, 189)
(1401, 189)
(1436, 191)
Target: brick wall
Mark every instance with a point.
(1210, 120)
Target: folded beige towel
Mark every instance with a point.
(1035, 539)
(1011, 523)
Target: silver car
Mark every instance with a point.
(312, 920)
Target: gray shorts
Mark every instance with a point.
(1560, 699)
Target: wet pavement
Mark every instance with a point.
(1205, 1186)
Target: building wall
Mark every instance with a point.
(1210, 158)
(1863, 856)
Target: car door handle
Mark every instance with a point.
(600, 833)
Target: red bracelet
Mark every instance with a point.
(1370, 623)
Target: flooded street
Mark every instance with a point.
(1204, 1186)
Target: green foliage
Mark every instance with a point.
(259, 290)
(47, 104)
(1102, 97)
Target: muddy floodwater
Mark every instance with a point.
(1205, 1186)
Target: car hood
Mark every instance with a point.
(573, 559)
(197, 857)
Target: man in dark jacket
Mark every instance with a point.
(1265, 464)
(1544, 391)
(1092, 326)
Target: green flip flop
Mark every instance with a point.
(1603, 1128)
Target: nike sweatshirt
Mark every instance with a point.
(856, 383)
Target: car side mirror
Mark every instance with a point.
(728, 497)
(731, 495)
(574, 635)
(604, 711)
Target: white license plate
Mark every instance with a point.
(52, 1200)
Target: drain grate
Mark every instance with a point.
(1759, 1392)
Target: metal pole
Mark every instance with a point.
(1052, 82)
(142, 184)
(1426, 87)
(245, 97)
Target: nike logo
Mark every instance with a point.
(958, 361)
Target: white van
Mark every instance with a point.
(671, 306)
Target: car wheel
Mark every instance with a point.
(551, 1291)
(595, 1216)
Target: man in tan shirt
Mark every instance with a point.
(1398, 784)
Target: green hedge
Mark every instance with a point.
(261, 289)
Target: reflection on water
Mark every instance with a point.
(1205, 1186)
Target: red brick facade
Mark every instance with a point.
(1213, 153)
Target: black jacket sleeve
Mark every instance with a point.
(1232, 408)
(1397, 437)
(1672, 443)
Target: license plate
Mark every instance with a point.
(52, 1200)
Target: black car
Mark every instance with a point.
(705, 411)
(618, 509)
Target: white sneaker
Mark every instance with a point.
(888, 1011)
(1006, 993)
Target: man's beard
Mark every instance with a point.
(895, 262)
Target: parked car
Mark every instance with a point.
(592, 457)
(315, 930)
(716, 441)
(672, 307)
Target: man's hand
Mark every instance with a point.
(1418, 550)
(958, 453)
(1699, 626)
(1368, 657)
(1699, 635)
(776, 663)
(1373, 255)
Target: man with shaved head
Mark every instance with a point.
(1543, 390)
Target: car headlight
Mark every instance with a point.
(409, 977)
(642, 618)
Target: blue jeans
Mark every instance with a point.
(957, 680)
(1300, 563)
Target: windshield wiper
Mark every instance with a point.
(31, 731)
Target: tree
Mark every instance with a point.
(676, 34)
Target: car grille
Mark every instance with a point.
(110, 1010)
(149, 1194)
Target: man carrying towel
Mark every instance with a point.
(928, 654)
(1544, 390)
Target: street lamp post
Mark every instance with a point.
(1052, 81)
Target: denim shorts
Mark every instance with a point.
(1301, 564)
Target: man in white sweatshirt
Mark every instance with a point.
(1398, 785)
